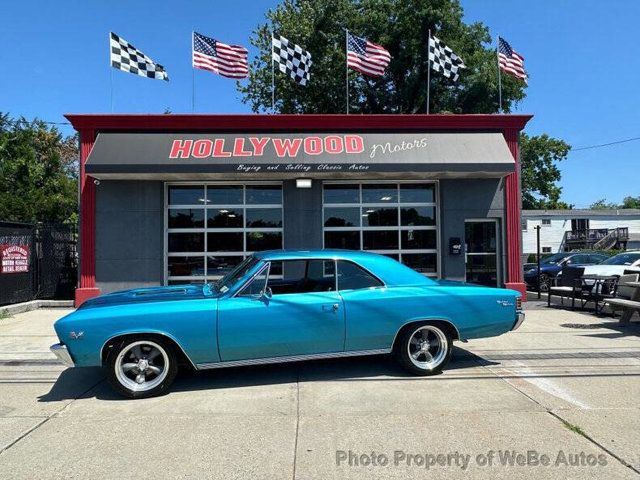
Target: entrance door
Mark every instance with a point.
(482, 252)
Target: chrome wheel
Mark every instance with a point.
(545, 283)
(141, 366)
(427, 347)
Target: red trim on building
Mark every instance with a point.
(90, 124)
(296, 122)
(513, 201)
(87, 285)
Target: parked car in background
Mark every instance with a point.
(616, 265)
(551, 266)
(282, 306)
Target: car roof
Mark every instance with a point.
(307, 254)
(386, 269)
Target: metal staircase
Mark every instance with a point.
(595, 239)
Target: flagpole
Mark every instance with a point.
(428, 70)
(273, 82)
(346, 64)
(499, 76)
(111, 81)
(110, 74)
(193, 76)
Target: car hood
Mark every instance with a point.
(607, 269)
(151, 294)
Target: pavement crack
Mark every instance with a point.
(45, 420)
(564, 422)
(585, 435)
(295, 445)
(23, 435)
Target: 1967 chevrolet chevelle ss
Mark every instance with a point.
(282, 306)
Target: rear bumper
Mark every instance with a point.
(61, 352)
(519, 320)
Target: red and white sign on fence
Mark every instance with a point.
(14, 258)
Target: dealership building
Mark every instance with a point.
(171, 199)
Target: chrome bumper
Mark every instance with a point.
(519, 320)
(61, 352)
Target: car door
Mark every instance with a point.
(372, 310)
(301, 313)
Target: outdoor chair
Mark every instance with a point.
(623, 292)
(570, 286)
(598, 291)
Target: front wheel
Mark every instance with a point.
(545, 282)
(424, 349)
(141, 367)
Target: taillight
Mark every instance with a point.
(519, 303)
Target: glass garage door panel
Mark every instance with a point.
(396, 219)
(213, 227)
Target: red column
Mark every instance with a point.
(87, 285)
(513, 201)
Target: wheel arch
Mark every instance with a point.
(182, 355)
(442, 322)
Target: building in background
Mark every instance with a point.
(171, 199)
(566, 230)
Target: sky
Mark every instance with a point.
(583, 58)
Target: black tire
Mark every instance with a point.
(122, 355)
(402, 349)
(545, 282)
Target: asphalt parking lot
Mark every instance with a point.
(563, 391)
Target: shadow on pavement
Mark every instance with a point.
(80, 382)
(73, 383)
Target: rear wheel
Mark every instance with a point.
(424, 349)
(141, 367)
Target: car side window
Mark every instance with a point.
(257, 285)
(304, 276)
(353, 277)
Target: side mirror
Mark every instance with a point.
(267, 293)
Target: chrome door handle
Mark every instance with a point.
(331, 308)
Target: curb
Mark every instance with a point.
(34, 305)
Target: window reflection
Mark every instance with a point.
(224, 218)
(186, 218)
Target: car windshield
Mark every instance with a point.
(554, 259)
(231, 278)
(622, 259)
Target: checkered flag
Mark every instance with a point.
(443, 59)
(128, 58)
(294, 61)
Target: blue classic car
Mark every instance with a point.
(282, 306)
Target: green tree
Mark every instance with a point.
(631, 202)
(539, 156)
(402, 27)
(602, 204)
(38, 172)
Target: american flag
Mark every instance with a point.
(366, 57)
(227, 60)
(510, 61)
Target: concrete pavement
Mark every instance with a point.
(563, 388)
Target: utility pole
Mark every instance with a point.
(538, 257)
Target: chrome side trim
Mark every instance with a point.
(148, 333)
(519, 320)
(62, 353)
(293, 358)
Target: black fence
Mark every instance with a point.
(37, 261)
